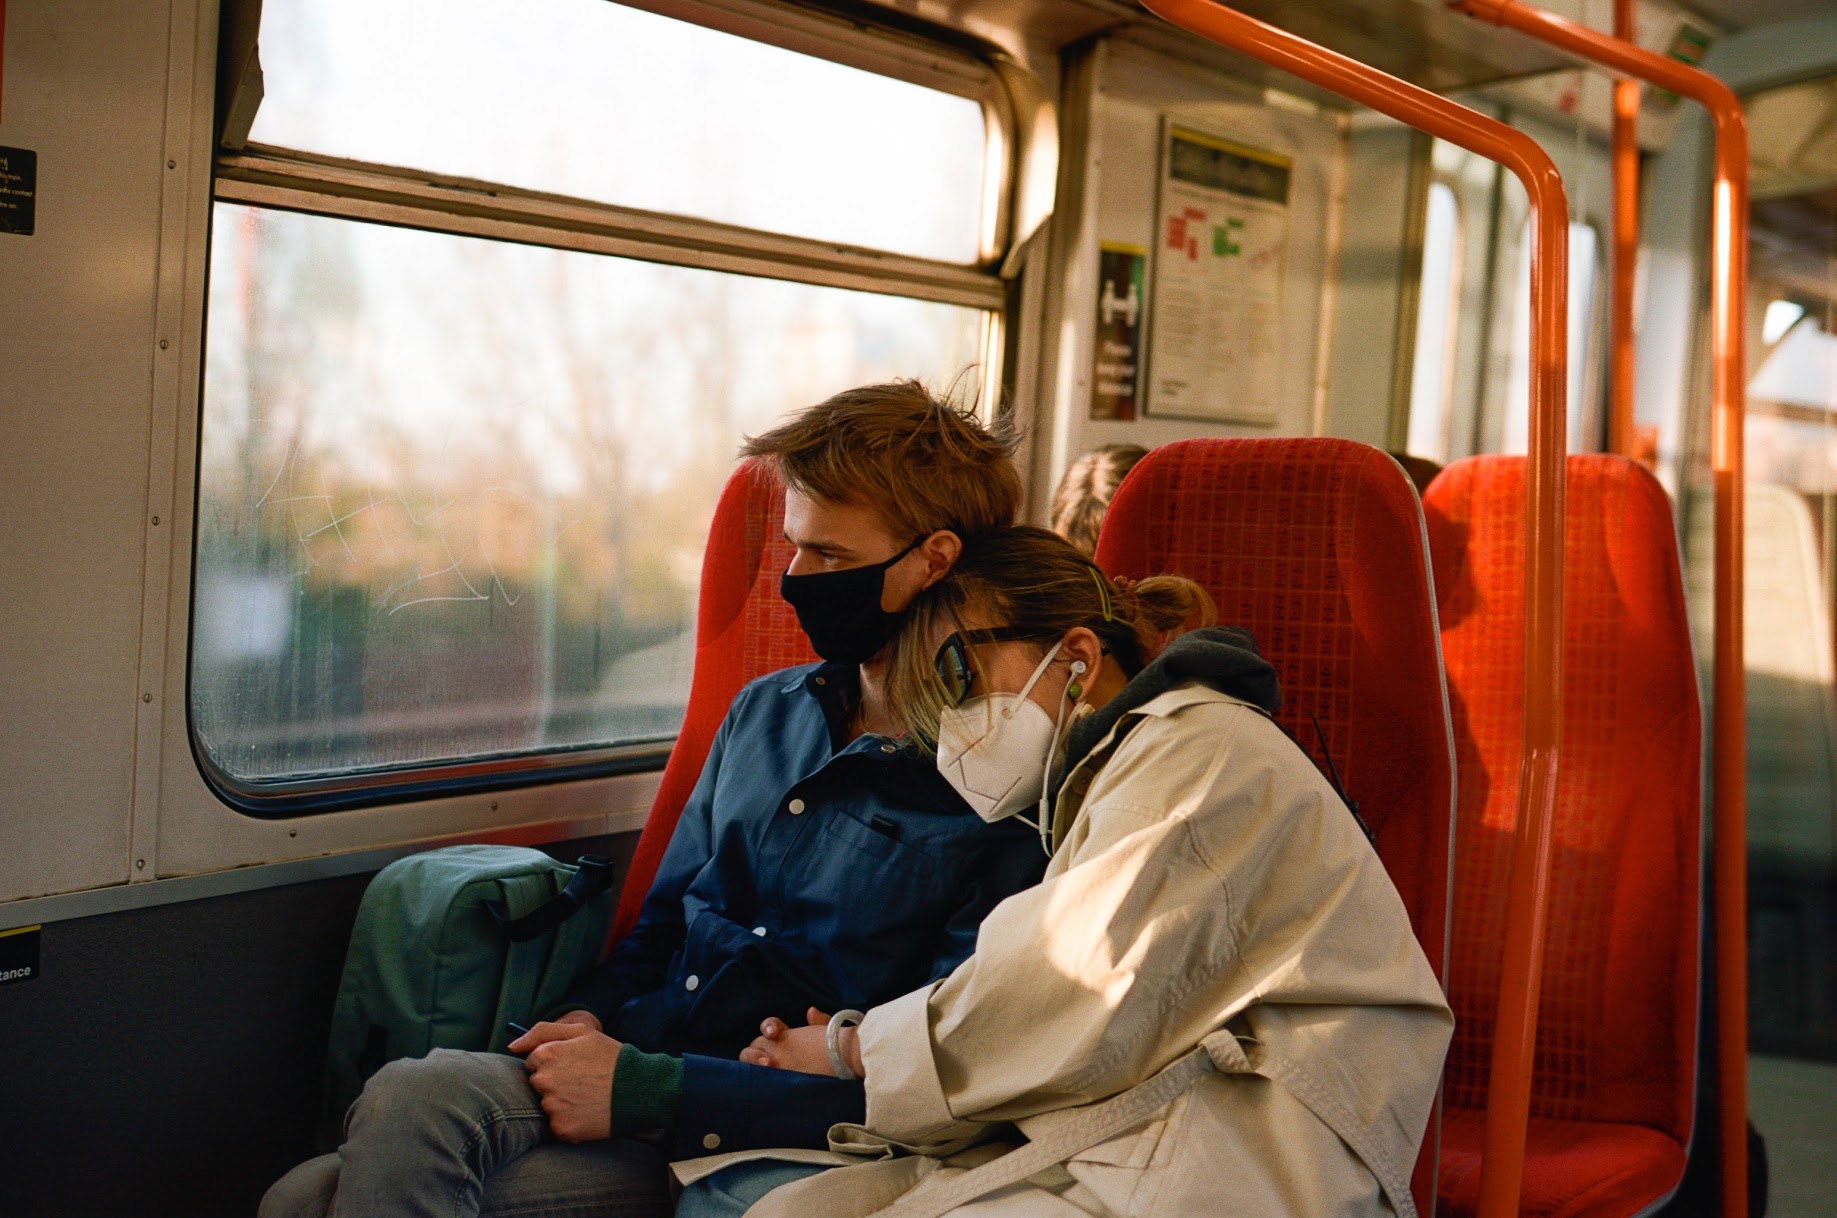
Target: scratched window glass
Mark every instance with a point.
(597, 101)
(454, 493)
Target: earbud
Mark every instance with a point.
(1077, 668)
(1075, 691)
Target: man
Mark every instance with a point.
(817, 863)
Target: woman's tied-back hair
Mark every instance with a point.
(923, 463)
(1084, 494)
(1033, 579)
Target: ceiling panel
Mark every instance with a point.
(1419, 40)
(1746, 14)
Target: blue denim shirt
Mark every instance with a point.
(807, 869)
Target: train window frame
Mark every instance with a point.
(297, 180)
(291, 181)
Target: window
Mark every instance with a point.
(588, 99)
(1584, 416)
(458, 461)
(1432, 377)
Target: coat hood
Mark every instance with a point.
(1222, 657)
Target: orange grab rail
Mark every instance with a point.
(1728, 292)
(1626, 246)
(1515, 1036)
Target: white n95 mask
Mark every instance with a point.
(996, 749)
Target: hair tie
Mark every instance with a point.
(1103, 594)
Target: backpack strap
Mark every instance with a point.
(593, 877)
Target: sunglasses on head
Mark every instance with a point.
(953, 658)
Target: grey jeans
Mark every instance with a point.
(453, 1135)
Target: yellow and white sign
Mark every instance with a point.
(1214, 341)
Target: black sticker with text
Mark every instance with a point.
(18, 190)
(19, 954)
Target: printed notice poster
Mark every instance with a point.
(18, 190)
(1214, 346)
(1116, 357)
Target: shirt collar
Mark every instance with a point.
(836, 687)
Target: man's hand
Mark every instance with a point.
(571, 1064)
(788, 1048)
(581, 1016)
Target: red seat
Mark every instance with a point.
(1572, 1167)
(743, 629)
(1617, 1021)
(1316, 546)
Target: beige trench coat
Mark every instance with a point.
(1209, 890)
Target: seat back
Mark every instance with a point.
(1316, 547)
(743, 629)
(1617, 1019)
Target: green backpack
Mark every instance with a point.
(450, 946)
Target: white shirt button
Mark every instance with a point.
(711, 1142)
(760, 931)
(888, 748)
(795, 807)
(692, 982)
(822, 680)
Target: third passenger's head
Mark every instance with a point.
(882, 485)
(1084, 494)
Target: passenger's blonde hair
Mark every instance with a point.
(1084, 494)
(922, 462)
(1032, 579)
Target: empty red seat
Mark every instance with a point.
(1617, 1022)
(1317, 547)
(743, 629)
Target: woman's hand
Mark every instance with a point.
(786, 1048)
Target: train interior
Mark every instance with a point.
(370, 372)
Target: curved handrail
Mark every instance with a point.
(1728, 292)
(1515, 1032)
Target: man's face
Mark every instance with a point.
(836, 536)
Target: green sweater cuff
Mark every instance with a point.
(646, 1090)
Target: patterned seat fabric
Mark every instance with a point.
(1617, 1021)
(742, 630)
(1316, 546)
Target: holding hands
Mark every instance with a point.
(786, 1048)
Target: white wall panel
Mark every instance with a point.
(1371, 331)
(1135, 88)
(84, 88)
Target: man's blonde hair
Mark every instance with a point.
(923, 463)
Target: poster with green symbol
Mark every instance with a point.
(1214, 340)
(1116, 356)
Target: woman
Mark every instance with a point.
(1213, 1003)
(1084, 494)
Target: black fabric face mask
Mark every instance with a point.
(839, 611)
